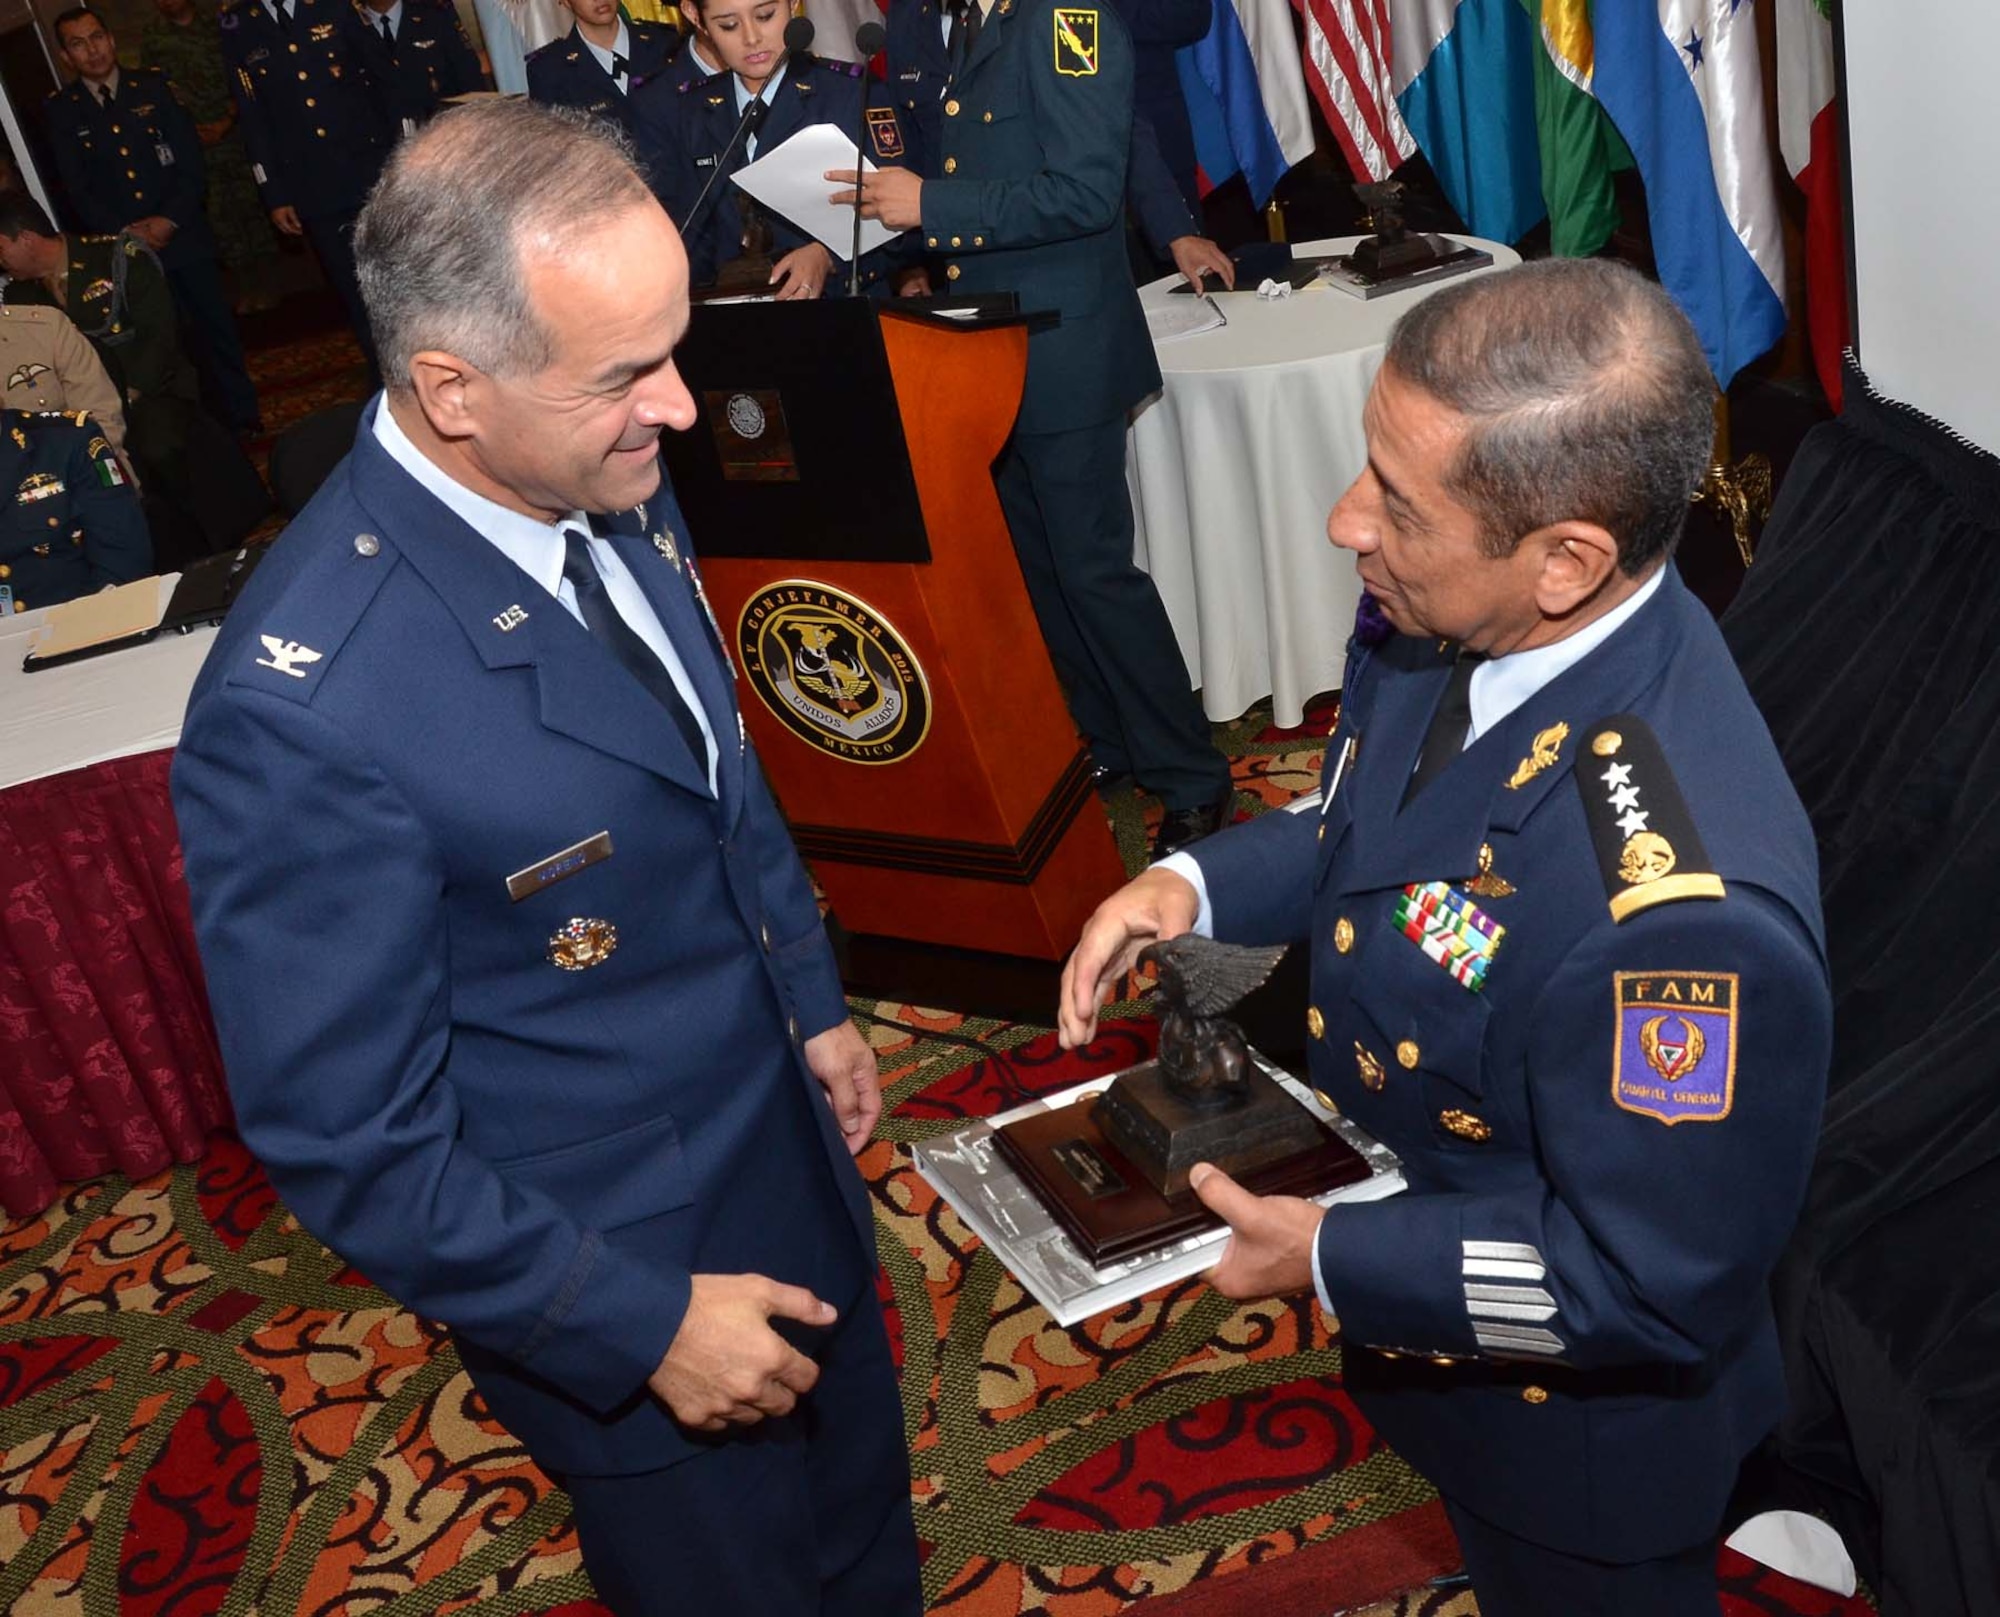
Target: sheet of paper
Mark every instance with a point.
(1172, 318)
(92, 620)
(790, 180)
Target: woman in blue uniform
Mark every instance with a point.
(689, 131)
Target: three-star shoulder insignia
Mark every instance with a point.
(1647, 847)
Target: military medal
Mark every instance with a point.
(1456, 933)
(1486, 884)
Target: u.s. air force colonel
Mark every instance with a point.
(559, 1055)
(1562, 906)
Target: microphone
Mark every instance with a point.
(869, 39)
(799, 36)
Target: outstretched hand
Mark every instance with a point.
(1148, 909)
(1271, 1238)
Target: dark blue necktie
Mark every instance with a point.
(1445, 739)
(601, 617)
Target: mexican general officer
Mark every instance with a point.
(523, 995)
(1566, 958)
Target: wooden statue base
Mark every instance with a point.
(1104, 1203)
(1164, 1137)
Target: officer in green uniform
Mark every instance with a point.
(1026, 193)
(113, 290)
(182, 42)
(72, 523)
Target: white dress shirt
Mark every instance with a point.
(743, 100)
(537, 548)
(621, 45)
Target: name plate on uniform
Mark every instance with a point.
(752, 440)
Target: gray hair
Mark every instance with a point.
(439, 246)
(1586, 398)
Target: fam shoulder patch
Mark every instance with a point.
(1675, 1055)
(1076, 41)
(1647, 846)
(884, 133)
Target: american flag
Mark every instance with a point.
(1347, 70)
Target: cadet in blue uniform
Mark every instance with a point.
(72, 524)
(416, 50)
(1026, 194)
(562, 1058)
(1563, 912)
(130, 159)
(919, 68)
(316, 126)
(601, 61)
(687, 131)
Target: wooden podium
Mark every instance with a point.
(838, 486)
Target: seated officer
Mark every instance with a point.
(687, 133)
(601, 61)
(72, 524)
(416, 50)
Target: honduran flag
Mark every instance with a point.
(1463, 73)
(1245, 88)
(1683, 82)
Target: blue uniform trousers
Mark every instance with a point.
(1070, 513)
(1514, 1578)
(217, 347)
(804, 1516)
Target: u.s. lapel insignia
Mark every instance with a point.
(664, 544)
(1076, 41)
(1541, 755)
(1486, 884)
(510, 620)
(582, 942)
(1675, 1059)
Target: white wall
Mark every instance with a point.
(1923, 110)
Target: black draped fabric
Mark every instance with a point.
(1869, 632)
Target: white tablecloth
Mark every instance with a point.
(1234, 467)
(112, 706)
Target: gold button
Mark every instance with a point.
(986, 117)
(295, 51)
(1389, 1353)
(1408, 1055)
(951, 109)
(302, 71)
(1343, 929)
(1315, 1023)
(951, 165)
(1322, 832)
(124, 151)
(1371, 1072)
(5, 570)
(979, 241)
(930, 241)
(1534, 1395)
(1325, 1100)
(1608, 743)
(951, 272)
(53, 522)
(131, 174)
(956, 242)
(1465, 1125)
(311, 102)
(321, 133)
(1442, 1358)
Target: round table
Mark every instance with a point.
(1234, 465)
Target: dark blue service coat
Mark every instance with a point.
(317, 127)
(72, 524)
(138, 157)
(1026, 193)
(430, 59)
(1159, 29)
(1606, 1143)
(394, 721)
(564, 73)
(684, 131)
(919, 72)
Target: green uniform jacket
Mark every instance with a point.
(1026, 193)
(117, 296)
(72, 523)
